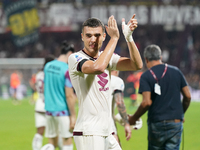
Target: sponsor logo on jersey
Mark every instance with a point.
(54, 67)
(78, 58)
(103, 81)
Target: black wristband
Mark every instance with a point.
(81, 64)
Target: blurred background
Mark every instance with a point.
(32, 29)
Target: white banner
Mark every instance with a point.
(66, 15)
(154, 15)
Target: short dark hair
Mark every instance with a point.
(47, 59)
(93, 22)
(152, 52)
(65, 47)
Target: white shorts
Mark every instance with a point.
(40, 119)
(58, 126)
(92, 142)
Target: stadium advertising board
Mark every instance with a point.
(60, 18)
(150, 15)
(67, 14)
(66, 17)
(22, 20)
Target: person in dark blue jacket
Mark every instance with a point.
(160, 87)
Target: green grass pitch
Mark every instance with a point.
(17, 127)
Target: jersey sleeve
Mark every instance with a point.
(119, 84)
(73, 62)
(67, 80)
(183, 80)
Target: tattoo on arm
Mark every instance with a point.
(119, 99)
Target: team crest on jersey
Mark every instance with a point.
(78, 57)
(103, 81)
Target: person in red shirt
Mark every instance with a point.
(132, 86)
(14, 83)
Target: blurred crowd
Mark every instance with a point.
(180, 48)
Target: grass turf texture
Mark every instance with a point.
(17, 127)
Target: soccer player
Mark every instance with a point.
(59, 100)
(117, 88)
(34, 94)
(40, 119)
(89, 71)
(15, 82)
(160, 87)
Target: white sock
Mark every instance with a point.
(67, 147)
(37, 141)
(60, 142)
(48, 147)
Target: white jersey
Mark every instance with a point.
(39, 84)
(116, 84)
(93, 92)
